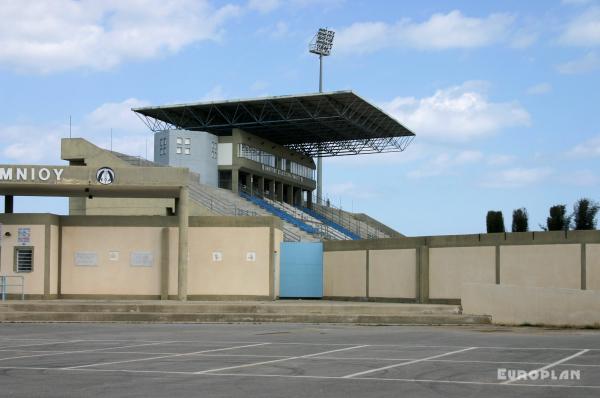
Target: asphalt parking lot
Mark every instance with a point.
(283, 360)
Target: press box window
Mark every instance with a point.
(24, 259)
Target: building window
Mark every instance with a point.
(188, 141)
(179, 141)
(214, 150)
(24, 259)
(179, 150)
(187, 151)
(163, 146)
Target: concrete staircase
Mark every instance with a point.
(224, 202)
(236, 312)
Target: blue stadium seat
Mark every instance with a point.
(280, 213)
(330, 223)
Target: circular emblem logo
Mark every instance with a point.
(105, 176)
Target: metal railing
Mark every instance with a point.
(4, 285)
(202, 195)
(342, 217)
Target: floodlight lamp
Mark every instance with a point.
(322, 43)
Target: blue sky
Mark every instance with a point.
(504, 96)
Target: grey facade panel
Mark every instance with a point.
(196, 150)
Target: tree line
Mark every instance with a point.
(583, 217)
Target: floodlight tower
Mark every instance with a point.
(321, 45)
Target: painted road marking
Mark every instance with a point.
(397, 365)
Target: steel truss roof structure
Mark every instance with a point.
(317, 125)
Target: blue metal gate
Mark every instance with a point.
(301, 270)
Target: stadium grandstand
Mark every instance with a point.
(255, 157)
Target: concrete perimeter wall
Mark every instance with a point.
(136, 257)
(433, 269)
(516, 305)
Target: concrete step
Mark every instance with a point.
(273, 308)
(161, 317)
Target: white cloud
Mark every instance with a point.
(440, 31)
(539, 89)
(500, 160)
(60, 35)
(458, 113)
(116, 114)
(588, 63)
(27, 144)
(446, 163)
(264, 6)
(575, 2)
(277, 31)
(583, 30)
(349, 190)
(582, 178)
(589, 148)
(41, 143)
(516, 177)
(214, 94)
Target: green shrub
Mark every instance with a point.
(494, 222)
(520, 221)
(558, 220)
(584, 214)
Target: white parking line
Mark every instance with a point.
(397, 365)
(279, 360)
(78, 351)
(355, 379)
(551, 365)
(38, 344)
(163, 356)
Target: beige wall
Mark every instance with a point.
(54, 258)
(452, 266)
(541, 265)
(110, 277)
(34, 281)
(278, 234)
(345, 274)
(233, 275)
(510, 304)
(593, 266)
(392, 273)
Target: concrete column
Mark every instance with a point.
(182, 266)
(423, 274)
(9, 204)
(272, 189)
(280, 192)
(250, 183)
(290, 194)
(309, 203)
(235, 180)
(260, 181)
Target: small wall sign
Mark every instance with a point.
(86, 259)
(24, 236)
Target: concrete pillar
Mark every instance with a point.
(9, 204)
(260, 182)
(235, 180)
(182, 266)
(280, 191)
(290, 194)
(250, 183)
(272, 189)
(309, 202)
